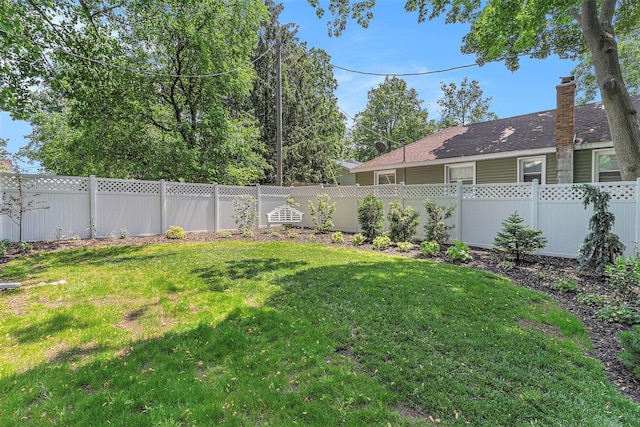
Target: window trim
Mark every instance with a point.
(450, 166)
(385, 172)
(595, 169)
(543, 172)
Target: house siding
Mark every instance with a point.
(364, 178)
(552, 169)
(425, 175)
(582, 166)
(497, 171)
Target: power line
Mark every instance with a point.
(424, 73)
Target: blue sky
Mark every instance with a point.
(396, 43)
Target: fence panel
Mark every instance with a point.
(190, 206)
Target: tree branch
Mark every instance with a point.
(607, 11)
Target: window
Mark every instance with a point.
(605, 166)
(465, 172)
(385, 177)
(531, 168)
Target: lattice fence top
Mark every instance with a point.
(229, 190)
(191, 190)
(307, 191)
(125, 186)
(497, 191)
(430, 191)
(45, 183)
(275, 191)
(570, 192)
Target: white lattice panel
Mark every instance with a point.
(275, 191)
(568, 193)
(307, 191)
(122, 186)
(193, 190)
(340, 192)
(429, 191)
(228, 190)
(620, 191)
(517, 191)
(387, 191)
(46, 183)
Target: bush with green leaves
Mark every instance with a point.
(322, 214)
(429, 248)
(123, 233)
(381, 242)
(293, 235)
(337, 237)
(274, 234)
(592, 300)
(506, 265)
(405, 246)
(403, 222)
(459, 252)
(245, 210)
(248, 233)
(564, 285)
(370, 216)
(358, 239)
(624, 273)
(617, 314)
(630, 342)
(175, 232)
(517, 238)
(600, 247)
(225, 234)
(436, 229)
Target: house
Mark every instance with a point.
(566, 145)
(343, 175)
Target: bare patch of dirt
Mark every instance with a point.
(534, 272)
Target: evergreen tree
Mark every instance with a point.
(517, 238)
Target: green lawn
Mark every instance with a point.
(241, 333)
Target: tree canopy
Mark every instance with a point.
(393, 113)
(503, 30)
(464, 105)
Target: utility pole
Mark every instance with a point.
(279, 114)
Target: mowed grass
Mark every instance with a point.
(240, 333)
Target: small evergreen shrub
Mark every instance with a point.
(245, 212)
(403, 222)
(617, 314)
(370, 216)
(405, 246)
(435, 228)
(322, 214)
(381, 242)
(225, 234)
(429, 248)
(175, 232)
(517, 238)
(358, 239)
(459, 252)
(293, 235)
(506, 265)
(592, 300)
(624, 273)
(600, 246)
(564, 285)
(630, 342)
(337, 237)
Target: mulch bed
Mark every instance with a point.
(535, 272)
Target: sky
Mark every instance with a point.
(395, 42)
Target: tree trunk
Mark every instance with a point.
(621, 113)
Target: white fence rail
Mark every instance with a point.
(96, 207)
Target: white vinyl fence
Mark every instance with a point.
(97, 207)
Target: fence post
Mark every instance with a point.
(163, 206)
(93, 198)
(459, 210)
(258, 206)
(2, 175)
(357, 206)
(216, 225)
(534, 204)
(637, 241)
(402, 193)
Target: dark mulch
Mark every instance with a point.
(535, 272)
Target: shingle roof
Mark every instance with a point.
(526, 132)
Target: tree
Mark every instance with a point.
(504, 29)
(517, 238)
(138, 89)
(393, 113)
(312, 124)
(463, 106)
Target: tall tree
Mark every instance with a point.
(464, 105)
(312, 124)
(393, 113)
(138, 89)
(506, 29)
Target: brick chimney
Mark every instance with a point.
(565, 129)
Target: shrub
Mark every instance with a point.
(624, 274)
(381, 242)
(564, 285)
(429, 248)
(358, 239)
(274, 234)
(405, 246)
(248, 233)
(435, 228)
(630, 342)
(600, 247)
(123, 233)
(175, 232)
(517, 238)
(403, 222)
(370, 216)
(459, 252)
(322, 214)
(293, 235)
(245, 212)
(617, 314)
(337, 237)
(593, 300)
(225, 234)
(24, 247)
(3, 249)
(506, 265)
